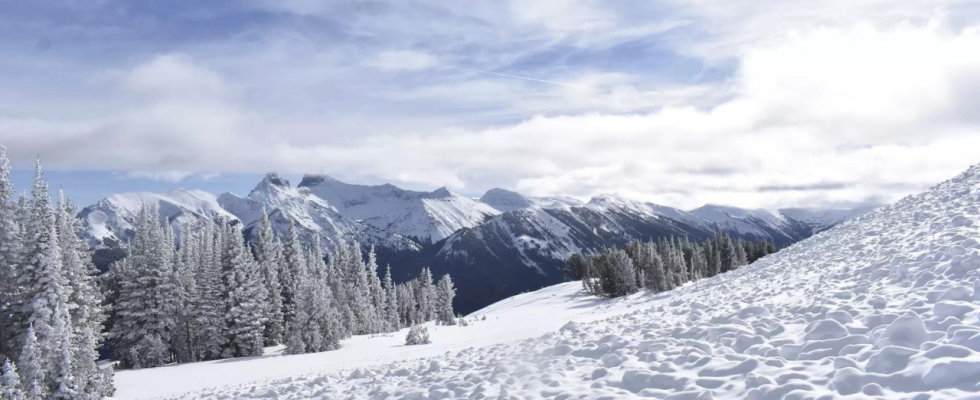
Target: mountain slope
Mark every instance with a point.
(112, 218)
(310, 215)
(426, 216)
(505, 200)
(881, 306)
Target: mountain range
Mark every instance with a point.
(499, 245)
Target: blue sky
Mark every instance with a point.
(680, 102)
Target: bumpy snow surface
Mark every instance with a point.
(885, 305)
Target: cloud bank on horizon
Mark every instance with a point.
(680, 102)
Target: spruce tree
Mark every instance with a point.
(32, 372)
(445, 293)
(13, 321)
(425, 296)
(10, 382)
(292, 267)
(210, 308)
(268, 255)
(391, 302)
(86, 310)
(375, 292)
(245, 304)
(47, 292)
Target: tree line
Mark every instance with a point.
(211, 295)
(661, 265)
(204, 294)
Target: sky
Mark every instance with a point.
(750, 103)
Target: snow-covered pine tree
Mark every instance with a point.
(268, 255)
(425, 296)
(10, 382)
(292, 266)
(12, 325)
(391, 303)
(87, 310)
(321, 309)
(339, 279)
(729, 258)
(142, 320)
(740, 257)
(185, 262)
(445, 293)
(210, 307)
(376, 293)
(246, 302)
(616, 273)
(358, 293)
(47, 292)
(32, 371)
(406, 303)
(417, 334)
(301, 333)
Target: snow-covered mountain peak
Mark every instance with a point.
(273, 178)
(113, 216)
(426, 216)
(505, 200)
(315, 179)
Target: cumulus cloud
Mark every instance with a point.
(834, 106)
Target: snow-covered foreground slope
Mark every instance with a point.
(516, 318)
(883, 305)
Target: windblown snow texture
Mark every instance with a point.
(884, 305)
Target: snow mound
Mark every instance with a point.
(885, 304)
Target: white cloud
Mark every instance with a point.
(402, 60)
(828, 105)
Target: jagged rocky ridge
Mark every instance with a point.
(503, 244)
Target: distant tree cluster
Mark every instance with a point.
(661, 265)
(213, 296)
(51, 309)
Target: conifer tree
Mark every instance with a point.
(10, 382)
(425, 296)
(185, 261)
(32, 372)
(86, 311)
(268, 255)
(210, 308)
(13, 321)
(47, 292)
(445, 292)
(245, 304)
(391, 302)
(375, 292)
(292, 266)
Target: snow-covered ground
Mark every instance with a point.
(885, 305)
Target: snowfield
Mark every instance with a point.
(884, 305)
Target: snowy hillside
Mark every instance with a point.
(505, 200)
(112, 218)
(883, 305)
(427, 216)
(310, 214)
